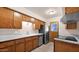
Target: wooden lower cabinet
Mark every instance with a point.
(31, 43)
(20, 47)
(8, 49)
(35, 43)
(28, 44)
(61, 46)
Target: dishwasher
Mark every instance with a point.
(40, 40)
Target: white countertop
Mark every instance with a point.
(67, 41)
(16, 36)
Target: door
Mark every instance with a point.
(53, 31)
(6, 18)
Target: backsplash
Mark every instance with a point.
(27, 28)
(16, 31)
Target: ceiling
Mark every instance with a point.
(41, 11)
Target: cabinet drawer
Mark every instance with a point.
(5, 44)
(19, 41)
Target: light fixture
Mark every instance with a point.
(50, 12)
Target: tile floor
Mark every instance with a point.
(44, 48)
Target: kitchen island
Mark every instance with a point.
(62, 45)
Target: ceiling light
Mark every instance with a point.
(50, 12)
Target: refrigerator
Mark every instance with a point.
(45, 30)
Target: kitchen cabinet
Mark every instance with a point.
(28, 44)
(37, 24)
(6, 18)
(20, 45)
(17, 20)
(71, 25)
(26, 18)
(10, 19)
(8, 49)
(71, 10)
(35, 42)
(62, 46)
(31, 43)
(8, 46)
(42, 23)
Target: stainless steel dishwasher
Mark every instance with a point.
(40, 40)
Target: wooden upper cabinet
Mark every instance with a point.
(26, 18)
(71, 10)
(17, 20)
(6, 18)
(37, 24)
(71, 26)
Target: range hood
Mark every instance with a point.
(68, 18)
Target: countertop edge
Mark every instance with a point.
(23, 36)
(72, 42)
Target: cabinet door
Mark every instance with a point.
(71, 10)
(8, 49)
(6, 18)
(71, 26)
(37, 24)
(29, 45)
(20, 47)
(35, 43)
(17, 20)
(26, 18)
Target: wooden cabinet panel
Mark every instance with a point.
(37, 24)
(29, 45)
(6, 18)
(35, 43)
(60, 46)
(26, 18)
(17, 20)
(6, 44)
(71, 26)
(19, 41)
(8, 49)
(20, 47)
(71, 10)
